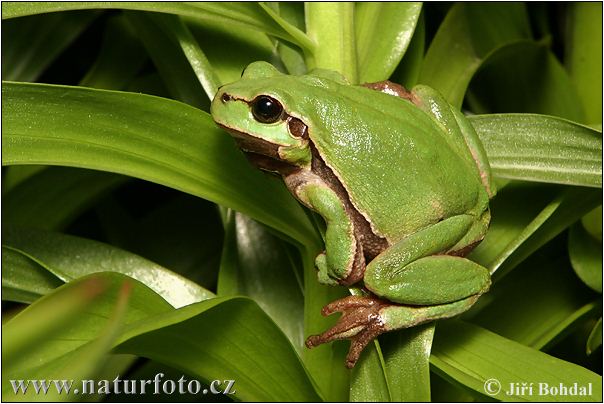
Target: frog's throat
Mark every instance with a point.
(261, 153)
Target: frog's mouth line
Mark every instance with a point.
(262, 154)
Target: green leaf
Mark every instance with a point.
(197, 59)
(24, 280)
(248, 15)
(182, 233)
(147, 137)
(566, 209)
(30, 44)
(291, 56)
(70, 258)
(230, 51)
(53, 197)
(325, 363)
(541, 148)
(13, 176)
(594, 341)
(521, 308)
(513, 210)
(583, 56)
(121, 57)
(248, 348)
(510, 241)
(157, 35)
(469, 34)
(592, 222)
(331, 27)
(525, 77)
(66, 334)
(586, 256)
(368, 381)
(408, 70)
(300, 37)
(197, 333)
(472, 356)
(396, 369)
(383, 32)
(255, 263)
(407, 359)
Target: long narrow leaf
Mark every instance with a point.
(30, 44)
(383, 33)
(368, 381)
(583, 56)
(541, 148)
(255, 263)
(586, 256)
(490, 364)
(525, 77)
(249, 349)
(407, 360)
(69, 258)
(51, 198)
(524, 308)
(248, 15)
(168, 57)
(146, 137)
(121, 57)
(24, 280)
(467, 36)
(325, 363)
(229, 51)
(197, 59)
(331, 27)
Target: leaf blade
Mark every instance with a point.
(146, 137)
(534, 147)
(472, 356)
(383, 33)
(466, 37)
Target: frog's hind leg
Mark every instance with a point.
(420, 282)
(364, 318)
(418, 269)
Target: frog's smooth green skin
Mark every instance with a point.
(400, 178)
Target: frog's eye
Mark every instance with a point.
(266, 109)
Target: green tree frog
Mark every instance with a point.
(400, 178)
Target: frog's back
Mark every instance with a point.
(398, 166)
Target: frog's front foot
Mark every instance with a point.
(361, 322)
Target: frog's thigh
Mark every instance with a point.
(414, 272)
(340, 243)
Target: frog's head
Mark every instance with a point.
(254, 110)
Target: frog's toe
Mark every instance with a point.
(360, 322)
(360, 341)
(350, 303)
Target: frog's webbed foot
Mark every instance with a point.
(360, 323)
(366, 317)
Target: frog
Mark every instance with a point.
(399, 177)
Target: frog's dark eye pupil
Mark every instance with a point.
(266, 109)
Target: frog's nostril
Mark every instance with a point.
(225, 97)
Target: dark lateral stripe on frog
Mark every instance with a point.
(262, 154)
(370, 243)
